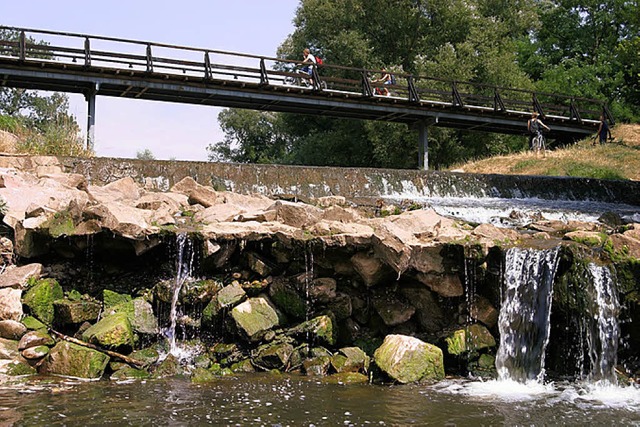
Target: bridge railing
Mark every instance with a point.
(165, 61)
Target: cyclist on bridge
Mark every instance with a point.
(310, 62)
(534, 126)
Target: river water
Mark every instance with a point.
(268, 400)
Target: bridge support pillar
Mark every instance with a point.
(90, 96)
(423, 145)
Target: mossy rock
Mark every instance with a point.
(254, 317)
(287, 299)
(345, 378)
(242, 367)
(33, 324)
(148, 356)
(72, 360)
(469, 340)
(17, 369)
(129, 373)
(350, 359)
(70, 312)
(273, 355)
(112, 332)
(61, 224)
(169, 367)
(320, 328)
(317, 366)
(407, 359)
(111, 299)
(40, 297)
(202, 375)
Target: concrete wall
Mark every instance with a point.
(362, 185)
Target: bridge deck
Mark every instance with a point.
(152, 71)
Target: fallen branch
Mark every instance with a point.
(126, 359)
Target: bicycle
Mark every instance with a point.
(538, 143)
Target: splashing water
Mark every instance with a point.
(604, 338)
(524, 320)
(184, 268)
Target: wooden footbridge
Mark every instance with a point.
(96, 65)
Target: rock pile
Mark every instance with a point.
(317, 288)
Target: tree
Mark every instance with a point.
(145, 154)
(46, 125)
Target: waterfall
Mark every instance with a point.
(184, 268)
(604, 333)
(524, 320)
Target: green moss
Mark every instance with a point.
(469, 340)
(18, 369)
(33, 324)
(39, 299)
(111, 332)
(129, 373)
(61, 224)
(112, 299)
(201, 375)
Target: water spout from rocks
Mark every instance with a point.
(524, 320)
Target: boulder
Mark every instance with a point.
(317, 366)
(341, 306)
(12, 329)
(40, 297)
(35, 353)
(298, 215)
(469, 340)
(10, 304)
(17, 277)
(287, 298)
(428, 311)
(323, 289)
(112, 299)
(143, 320)
(122, 190)
(327, 201)
(129, 373)
(259, 264)
(72, 360)
(68, 312)
(273, 355)
(483, 311)
(33, 324)
(319, 329)
(8, 349)
(407, 359)
(198, 194)
(222, 212)
(121, 219)
(446, 285)
(254, 317)
(112, 332)
(34, 339)
(227, 298)
(392, 310)
(350, 359)
(371, 269)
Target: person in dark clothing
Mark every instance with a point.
(603, 131)
(535, 125)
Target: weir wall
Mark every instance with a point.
(359, 185)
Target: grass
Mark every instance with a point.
(618, 160)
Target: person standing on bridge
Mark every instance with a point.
(310, 60)
(535, 125)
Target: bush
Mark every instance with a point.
(56, 139)
(8, 123)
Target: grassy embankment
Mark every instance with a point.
(619, 159)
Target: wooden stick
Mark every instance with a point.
(133, 362)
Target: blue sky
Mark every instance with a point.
(124, 127)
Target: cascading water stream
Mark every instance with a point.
(184, 268)
(524, 320)
(605, 333)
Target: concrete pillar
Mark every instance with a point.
(90, 96)
(423, 145)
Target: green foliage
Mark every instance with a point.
(8, 123)
(145, 154)
(587, 170)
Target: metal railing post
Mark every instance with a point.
(23, 46)
(536, 105)
(455, 95)
(498, 105)
(413, 93)
(149, 59)
(264, 76)
(366, 85)
(87, 52)
(574, 114)
(207, 66)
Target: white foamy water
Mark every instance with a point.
(582, 395)
(519, 212)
